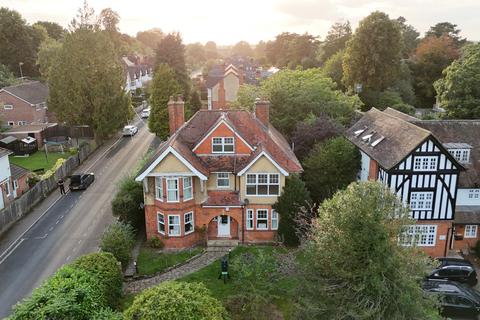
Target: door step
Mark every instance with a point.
(222, 243)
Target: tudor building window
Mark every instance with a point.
(187, 188)
(262, 219)
(474, 194)
(223, 180)
(249, 219)
(420, 235)
(174, 225)
(159, 188)
(172, 189)
(161, 223)
(263, 184)
(425, 163)
(189, 226)
(470, 231)
(462, 155)
(223, 145)
(421, 200)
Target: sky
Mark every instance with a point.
(227, 22)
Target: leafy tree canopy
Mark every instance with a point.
(410, 37)
(459, 89)
(446, 29)
(6, 77)
(355, 264)
(54, 30)
(48, 55)
(336, 39)
(291, 49)
(243, 49)
(372, 57)
(333, 68)
(330, 166)
(150, 38)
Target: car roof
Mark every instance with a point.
(450, 287)
(454, 261)
(128, 126)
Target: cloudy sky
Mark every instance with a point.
(227, 21)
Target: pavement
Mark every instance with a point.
(61, 228)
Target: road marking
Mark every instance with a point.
(61, 217)
(57, 221)
(50, 229)
(5, 258)
(39, 238)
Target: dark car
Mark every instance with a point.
(455, 269)
(81, 181)
(456, 299)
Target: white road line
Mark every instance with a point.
(43, 237)
(5, 258)
(57, 221)
(61, 217)
(50, 229)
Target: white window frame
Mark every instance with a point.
(173, 190)
(274, 218)
(22, 123)
(189, 188)
(462, 155)
(7, 188)
(159, 223)
(223, 176)
(223, 143)
(171, 224)
(11, 123)
(257, 220)
(8, 107)
(470, 231)
(190, 221)
(474, 194)
(421, 235)
(159, 188)
(268, 184)
(425, 163)
(250, 220)
(421, 201)
(15, 184)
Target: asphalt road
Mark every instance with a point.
(70, 226)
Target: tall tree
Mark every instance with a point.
(294, 198)
(333, 68)
(85, 18)
(48, 56)
(431, 57)
(459, 89)
(6, 77)
(356, 268)
(162, 88)
(211, 50)
(87, 84)
(19, 43)
(54, 30)
(171, 51)
(109, 20)
(336, 39)
(260, 52)
(446, 29)
(292, 49)
(331, 166)
(150, 38)
(372, 57)
(243, 49)
(195, 55)
(410, 37)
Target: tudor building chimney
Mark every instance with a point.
(262, 111)
(176, 114)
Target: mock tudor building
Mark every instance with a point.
(434, 168)
(216, 177)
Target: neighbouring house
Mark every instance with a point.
(13, 179)
(32, 134)
(216, 177)
(24, 104)
(434, 168)
(222, 84)
(137, 74)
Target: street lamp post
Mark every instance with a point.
(20, 64)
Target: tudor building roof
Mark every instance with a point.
(264, 140)
(33, 92)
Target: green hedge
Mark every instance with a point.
(118, 239)
(77, 291)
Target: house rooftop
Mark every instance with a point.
(33, 92)
(18, 171)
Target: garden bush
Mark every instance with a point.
(126, 204)
(156, 243)
(176, 301)
(118, 239)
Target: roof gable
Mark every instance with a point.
(33, 92)
(258, 157)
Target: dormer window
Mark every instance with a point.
(223, 145)
(462, 155)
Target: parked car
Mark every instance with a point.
(129, 130)
(145, 113)
(456, 299)
(455, 269)
(81, 181)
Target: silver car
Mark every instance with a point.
(129, 131)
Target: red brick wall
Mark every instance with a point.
(442, 230)
(465, 243)
(21, 111)
(176, 115)
(222, 131)
(262, 111)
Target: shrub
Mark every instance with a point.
(156, 243)
(87, 287)
(105, 268)
(405, 108)
(73, 151)
(107, 314)
(126, 204)
(32, 179)
(118, 239)
(176, 300)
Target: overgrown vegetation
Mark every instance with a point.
(118, 239)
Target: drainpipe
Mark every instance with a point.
(245, 203)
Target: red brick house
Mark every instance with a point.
(216, 177)
(24, 104)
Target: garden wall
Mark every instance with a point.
(22, 206)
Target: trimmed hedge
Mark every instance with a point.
(176, 301)
(76, 291)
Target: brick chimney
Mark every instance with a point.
(262, 111)
(176, 114)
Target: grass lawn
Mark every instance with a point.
(37, 160)
(151, 261)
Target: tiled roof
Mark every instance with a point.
(396, 138)
(33, 92)
(259, 136)
(4, 152)
(17, 171)
(399, 114)
(467, 215)
(222, 198)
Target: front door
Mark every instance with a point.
(223, 226)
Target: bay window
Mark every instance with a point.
(159, 188)
(249, 219)
(262, 219)
(174, 225)
(263, 184)
(172, 189)
(161, 223)
(187, 188)
(188, 219)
